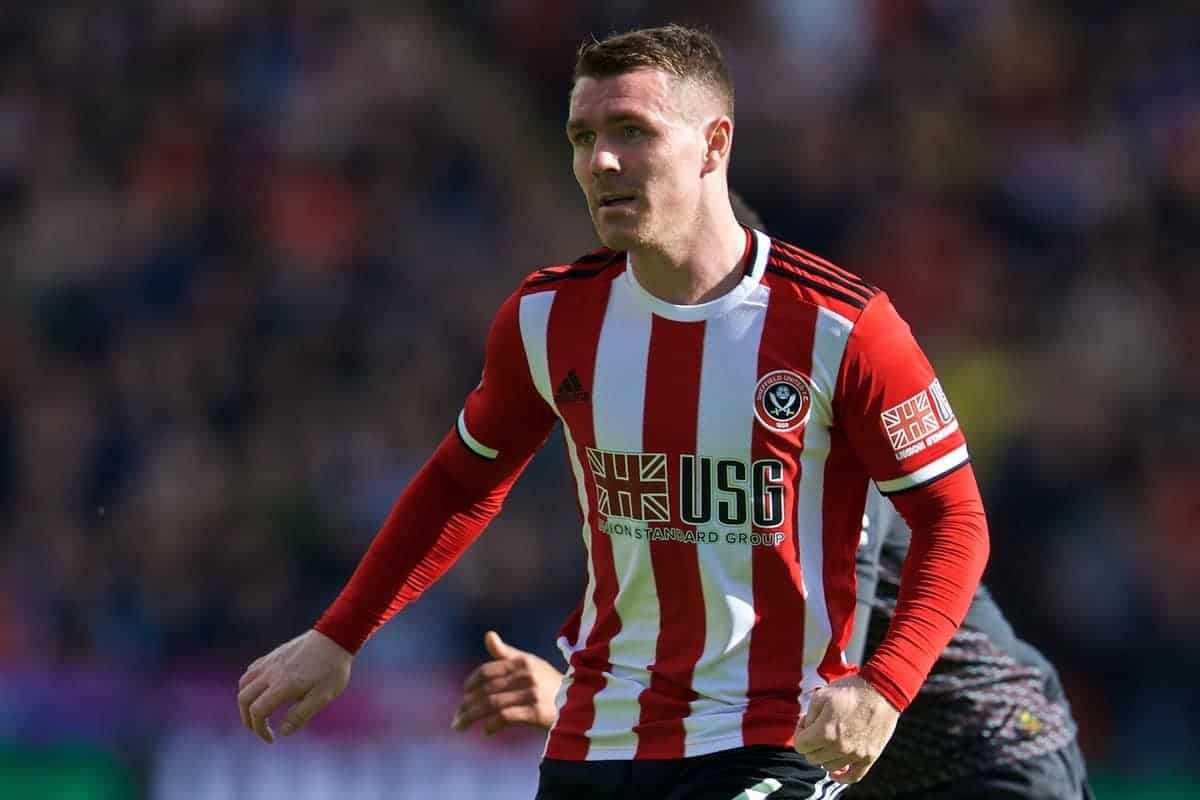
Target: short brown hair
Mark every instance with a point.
(686, 53)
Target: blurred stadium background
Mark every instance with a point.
(250, 251)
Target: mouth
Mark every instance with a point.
(616, 201)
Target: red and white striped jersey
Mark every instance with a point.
(721, 454)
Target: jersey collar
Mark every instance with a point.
(756, 265)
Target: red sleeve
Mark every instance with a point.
(944, 564)
(891, 404)
(903, 430)
(454, 495)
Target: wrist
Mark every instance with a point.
(881, 685)
(330, 643)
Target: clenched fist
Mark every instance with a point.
(845, 729)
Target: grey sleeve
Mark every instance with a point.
(879, 521)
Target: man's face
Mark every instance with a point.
(639, 144)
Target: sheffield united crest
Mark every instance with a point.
(782, 400)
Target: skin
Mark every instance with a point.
(515, 687)
(662, 145)
(665, 144)
(308, 672)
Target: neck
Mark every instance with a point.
(698, 268)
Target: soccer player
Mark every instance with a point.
(991, 721)
(726, 399)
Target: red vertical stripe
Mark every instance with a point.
(845, 497)
(777, 642)
(669, 426)
(573, 334)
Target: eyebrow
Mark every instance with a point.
(576, 125)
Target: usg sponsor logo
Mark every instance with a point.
(699, 491)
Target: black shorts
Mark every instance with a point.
(744, 773)
(1060, 775)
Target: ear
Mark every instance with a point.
(719, 143)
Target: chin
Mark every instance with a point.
(618, 241)
(618, 237)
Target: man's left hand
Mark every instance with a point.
(847, 725)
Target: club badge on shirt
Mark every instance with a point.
(782, 400)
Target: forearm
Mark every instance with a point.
(945, 563)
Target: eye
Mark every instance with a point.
(630, 131)
(583, 138)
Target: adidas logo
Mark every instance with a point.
(570, 390)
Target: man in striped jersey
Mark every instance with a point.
(991, 721)
(725, 400)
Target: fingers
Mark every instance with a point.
(302, 712)
(248, 677)
(846, 728)
(498, 648)
(839, 773)
(499, 677)
(506, 707)
(490, 671)
(248, 695)
(818, 737)
(266, 705)
(508, 682)
(855, 772)
(828, 757)
(837, 764)
(512, 715)
(816, 727)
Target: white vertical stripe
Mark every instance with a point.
(618, 412)
(725, 429)
(619, 384)
(535, 323)
(588, 612)
(829, 346)
(534, 317)
(587, 616)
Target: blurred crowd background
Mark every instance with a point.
(249, 253)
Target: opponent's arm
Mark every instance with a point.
(879, 519)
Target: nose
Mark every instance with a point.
(604, 160)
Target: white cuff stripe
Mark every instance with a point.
(479, 448)
(942, 465)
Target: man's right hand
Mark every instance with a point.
(309, 671)
(516, 687)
